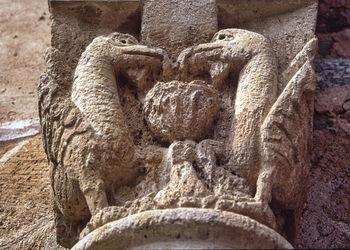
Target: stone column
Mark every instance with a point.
(195, 137)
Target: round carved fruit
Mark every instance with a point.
(178, 111)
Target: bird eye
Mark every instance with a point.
(222, 37)
(123, 41)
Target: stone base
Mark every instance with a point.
(184, 228)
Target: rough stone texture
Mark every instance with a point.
(25, 34)
(287, 24)
(83, 142)
(75, 24)
(173, 109)
(332, 72)
(332, 101)
(325, 221)
(333, 28)
(26, 219)
(182, 23)
(14, 32)
(111, 152)
(184, 228)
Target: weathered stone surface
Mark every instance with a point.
(220, 124)
(333, 28)
(347, 116)
(184, 228)
(82, 142)
(26, 219)
(346, 105)
(179, 111)
(332, 100)
(287, 24)
(177, 24)
(332, 72)
(326, 219)
(342, 40)
(76, 23)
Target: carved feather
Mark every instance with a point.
(287, 129)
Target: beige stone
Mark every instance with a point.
(182, 121)
(184, 228)
(172, 110)
(181, 24)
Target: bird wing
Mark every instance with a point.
(60, 120)
(287, 130)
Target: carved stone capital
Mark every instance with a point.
(196, 136)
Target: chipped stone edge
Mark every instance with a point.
(234, 230)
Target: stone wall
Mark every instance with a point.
(326, 216)
(325, 219)
(334, 28)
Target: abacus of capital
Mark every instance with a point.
(178, 123)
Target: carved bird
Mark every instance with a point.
(84, 132)
(271, 131)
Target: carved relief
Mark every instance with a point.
(212, 129)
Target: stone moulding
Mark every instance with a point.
(184, 228)
(191, 110)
